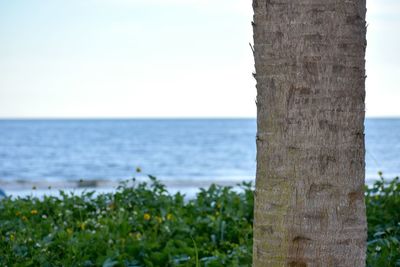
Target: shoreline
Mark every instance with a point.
(188, 187)
(52, 188)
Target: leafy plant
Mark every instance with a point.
(383, 214)
(141, 224)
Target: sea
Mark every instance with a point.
(185, 154)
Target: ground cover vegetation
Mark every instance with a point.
(143, 225)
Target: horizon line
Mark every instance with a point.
(129, 118)
(162, 118)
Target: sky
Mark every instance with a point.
(155, 58)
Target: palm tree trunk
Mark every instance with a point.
(310, 72)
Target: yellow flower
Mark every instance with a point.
(169, 216)
(24, 218)
(17, 213)
(82, 226)
(111, 205)
(159, 220)
(147, 216)
(138, 236)
(34, 212)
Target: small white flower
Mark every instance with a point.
(44, 216)
(378, 248)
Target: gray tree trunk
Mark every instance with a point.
(310, 72)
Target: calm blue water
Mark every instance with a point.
(185, 150)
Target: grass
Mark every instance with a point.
(144, 225)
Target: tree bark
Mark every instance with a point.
(310, 72)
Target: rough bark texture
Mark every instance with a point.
(310, 72)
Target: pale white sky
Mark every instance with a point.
(155, 58)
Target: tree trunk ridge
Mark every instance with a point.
(310, 72)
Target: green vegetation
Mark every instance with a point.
(383, 215)
(136, 226)
(143, 225)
